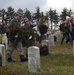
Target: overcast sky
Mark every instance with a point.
(32, 4)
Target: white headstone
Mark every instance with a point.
(2, 52)
(44, 42)
(56, 34)
(51, 40)
(5, 40)
(59, 33)
(33, 59)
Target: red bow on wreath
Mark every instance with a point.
(42, 48)
(45, 30)
(13, 30)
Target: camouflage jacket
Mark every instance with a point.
(15, 30)
(15, 23)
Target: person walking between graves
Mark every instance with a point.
(66, 33)
(70, 33)
(42, 29)
(29, 38)
(15, 43)
(72, 27)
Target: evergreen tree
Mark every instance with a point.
(70, 13)
(3, 13)
(64, 13)
(51, 16)
(47, 16)
(10, 12)
(55, 18)
(27, 14)
(37, 14)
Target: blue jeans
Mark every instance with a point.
(67, 34)
(70, 38)
(41, 37)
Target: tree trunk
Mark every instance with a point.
(51, 25)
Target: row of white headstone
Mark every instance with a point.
(33, 56)
(50, 38)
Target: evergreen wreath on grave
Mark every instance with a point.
(44, 50)
(42, 28)
(0, 60)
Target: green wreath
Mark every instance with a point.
(44, 50)
(28, 38)
(17, 35)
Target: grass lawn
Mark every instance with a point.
(59, 62)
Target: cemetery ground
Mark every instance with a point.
(59, 62)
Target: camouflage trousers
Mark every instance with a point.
(12, 46)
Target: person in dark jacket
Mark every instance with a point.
(13, 43)
(66, 34)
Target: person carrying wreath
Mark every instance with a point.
(14, 39)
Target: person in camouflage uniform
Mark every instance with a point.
(13, 44)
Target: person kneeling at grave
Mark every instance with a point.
(14, 37)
